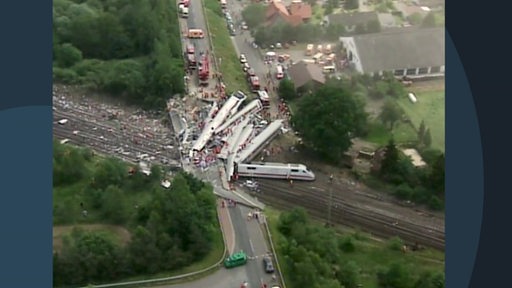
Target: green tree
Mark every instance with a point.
(114, 206)
(67, 55)
(435, 203)
(140, 26)
(66, 76)
(430, 280)
(427, 138)
(287, 221)
(390, 162)
(144, 255)
(379, 89)
(254, 15)
(397, 276)
(89, 257)
(69, 168)
(286, 89)
(436, 177)
(391, 113)
(403, 191)
(113, 42)
(421, 131)
(305, 271)
(125, 76)
(347, 244)
(328, 120)
(349, 275)
(109, 171)
(334, 31)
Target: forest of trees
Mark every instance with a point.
(318, 257)
(329, 117)
(421, 185)
(128, 48)
(170, 228)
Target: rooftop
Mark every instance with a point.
(415, 157)
(302, 72)
(401, 49)
(349, 19)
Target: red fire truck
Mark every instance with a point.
(190, 56)
(254, 81)
(203, 71)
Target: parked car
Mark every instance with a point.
(244, 26)
(267, 264)
(245, 66)
(243, 59)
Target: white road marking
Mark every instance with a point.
(252, 247)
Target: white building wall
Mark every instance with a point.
(350, 46)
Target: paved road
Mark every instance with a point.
(243, 45)
(250, 240)
(196, 20)
(252, 272)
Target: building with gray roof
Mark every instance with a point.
(413, 53)
(304, 74)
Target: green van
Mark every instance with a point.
(237, 259)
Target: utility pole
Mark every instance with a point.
(331, 178)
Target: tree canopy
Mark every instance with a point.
(422, 185)
(316, 256)
(329, 118)
(170, 228)
(131, 49)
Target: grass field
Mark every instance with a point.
(430, 108)
(380, 135)
(117, 233)
(371, 254)
(224, 49)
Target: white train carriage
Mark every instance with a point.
(275, 170)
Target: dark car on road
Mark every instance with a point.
(267, 265)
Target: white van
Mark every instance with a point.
(183, 11)
(279, 72)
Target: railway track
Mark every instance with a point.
(107, 138)
(349, 206)
(344, 211)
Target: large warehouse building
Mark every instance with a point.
(415, 53)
